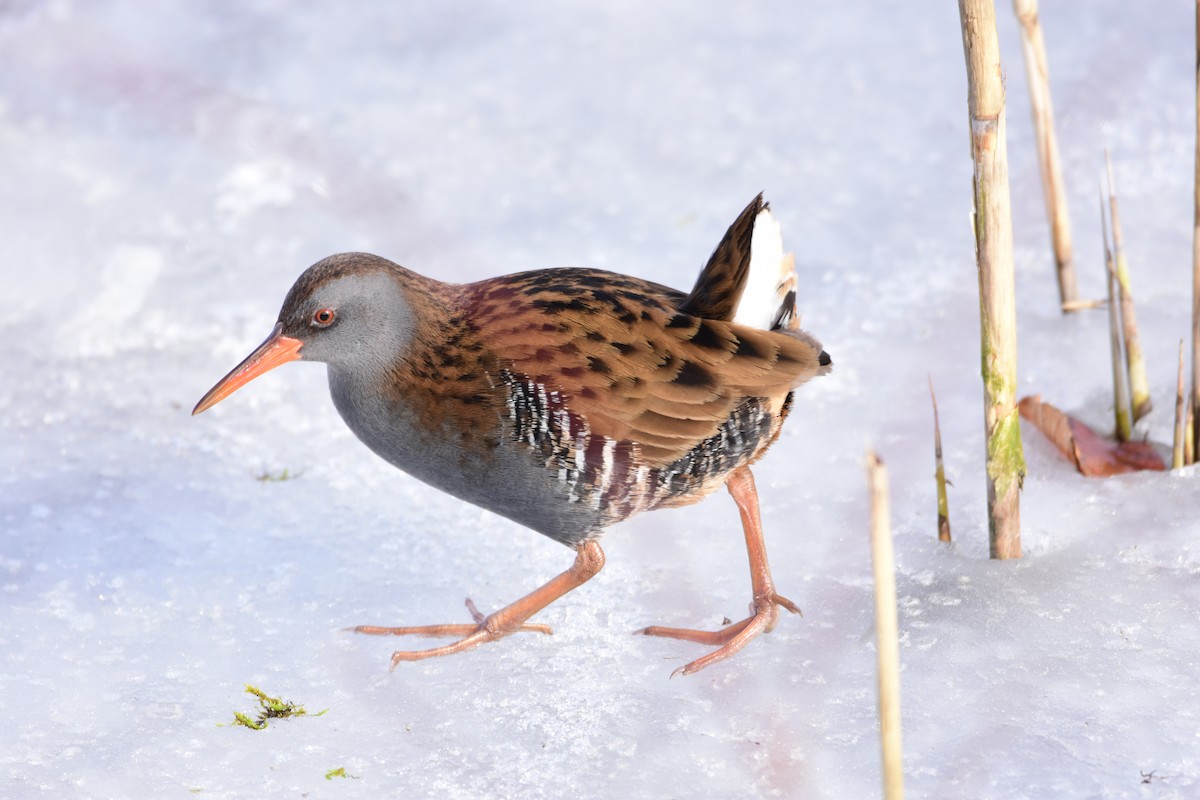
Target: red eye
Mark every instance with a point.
(323, 318)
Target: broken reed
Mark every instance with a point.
(1194, 411)
(1180, 416)
(943, 502)
(1084, 305)
(887, 646)
(1121, 410)
(1139, 386)
(1037, 72)
(993, 254)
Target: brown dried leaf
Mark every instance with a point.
(1051, 422)
(1092, 454)
(1099, 457)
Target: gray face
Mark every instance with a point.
(357, 320)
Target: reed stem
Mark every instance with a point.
(1037, 72)
(993, 254)
(1180, 416)
(1194, 405)
(887, 644)
(943, 501)
(1116, 336)
(1135, 362)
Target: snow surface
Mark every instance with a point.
(170, 168)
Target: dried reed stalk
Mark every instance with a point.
(943, 503)
(1038, 74)
(1083, 305)
(887, 646)
(1180, 417)
(993, 254)
(1116, 336)
(1139, 386)
(1189, 448)
(1194, 409)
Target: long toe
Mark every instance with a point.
(710, 638)
(728, 640)
(462, 629)
(513, 618)
(749, 629)
(453, 629)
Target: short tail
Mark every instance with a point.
(748, 279)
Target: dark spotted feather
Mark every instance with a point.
(720, 284)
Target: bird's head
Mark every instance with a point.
(350, 311)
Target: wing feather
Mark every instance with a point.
(642, 371)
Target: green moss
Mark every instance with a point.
(340, 772)
(241, 719)
(1006, 456)
(266, 476)
(995, 383)
(270, 708)
(980, 215)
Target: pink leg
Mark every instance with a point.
(589, 559)
(764, 611)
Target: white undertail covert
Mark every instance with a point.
(771, 278)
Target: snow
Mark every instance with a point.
(169, 169)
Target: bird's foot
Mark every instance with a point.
(589, 559)
(484, 629)
(764, 613)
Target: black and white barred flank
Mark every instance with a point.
(609, 475)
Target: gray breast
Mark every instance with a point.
(507, 479)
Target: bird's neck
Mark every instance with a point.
(439, 376)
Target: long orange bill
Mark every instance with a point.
(277, 349)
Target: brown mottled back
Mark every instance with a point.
(629, 360)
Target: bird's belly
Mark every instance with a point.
(497, 475)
